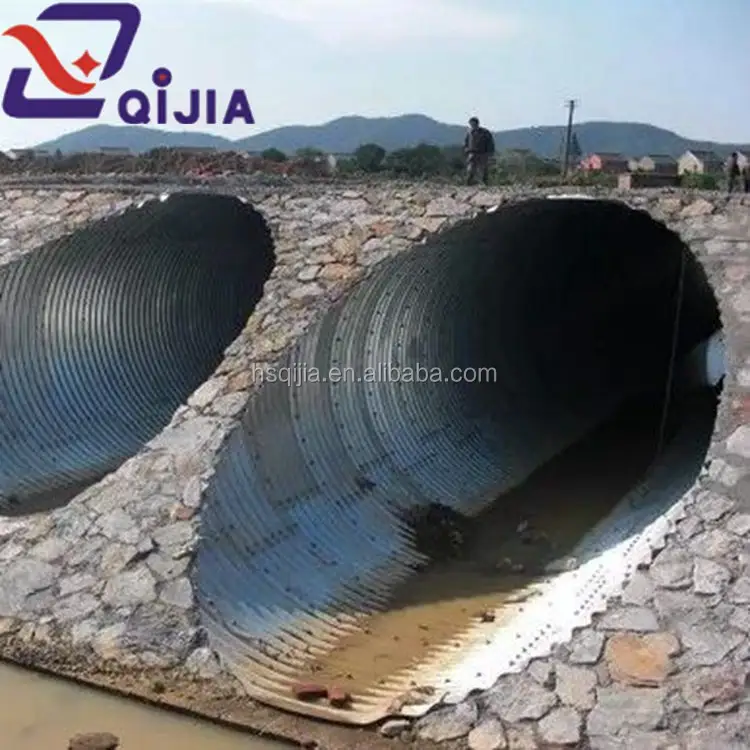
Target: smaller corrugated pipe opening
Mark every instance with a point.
(106, 332)
(439, 386)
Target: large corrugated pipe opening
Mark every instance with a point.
(106, 332)
(535, 326)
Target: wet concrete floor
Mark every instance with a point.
(42, 713)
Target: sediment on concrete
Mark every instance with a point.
(109, 574)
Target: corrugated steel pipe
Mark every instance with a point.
(572, 302)
(104, 333)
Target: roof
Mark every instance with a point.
(702, 155)
(661, 158)
(609, 155)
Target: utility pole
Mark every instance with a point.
(571, 106)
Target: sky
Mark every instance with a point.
(679, 64)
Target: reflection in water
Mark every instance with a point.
(42, 713)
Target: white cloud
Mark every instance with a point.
(382, 21)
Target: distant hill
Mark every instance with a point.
(134, 137)
(344, 134)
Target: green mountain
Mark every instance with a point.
(344, 134)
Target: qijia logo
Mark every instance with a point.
(133, 106)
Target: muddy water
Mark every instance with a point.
(508, 547)
(42, 713)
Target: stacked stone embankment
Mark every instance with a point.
(101, 588)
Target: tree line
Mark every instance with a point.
(425, 160)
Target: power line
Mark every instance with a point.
(571, 105)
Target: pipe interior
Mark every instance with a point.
(571, 303)
(106, 332)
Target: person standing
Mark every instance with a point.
(746, 176)
(733, 170)
(479, 146)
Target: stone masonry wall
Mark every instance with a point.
(109, 574)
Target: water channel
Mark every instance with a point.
(38, 712)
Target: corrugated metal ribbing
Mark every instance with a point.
(302, 531)
(104, 333)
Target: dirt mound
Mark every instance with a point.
(164, 161)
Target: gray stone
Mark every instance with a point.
(161, 634)
(714, 689)
(713, 737)
(166, 567)
(37, 604)
(178, 593)
(739, 524)
(106, 643)
(680, 606)
(639, 590)
(306, 292)
(10, 527)
(740, 592)
(116, 558)
(230, 405)
(575, 686)
(144, 546)
(50, 549)
(562, 726)
(543, 672)
(587, 647)
(699, 207)
(710, 577)
(707, 644)
(174, 536)
(203, 663)
(87, 551)
(191, 497)
(20, 580)
(11, 550)
(742, 653)
(448, 723)
(739, 441)
(619, 708)
(106, 498)
(636, 619)
(84, 632)
(75, 607)
(636, 740)
(689, 527)
(38, 528)
(445, 207)
(395, 727)
(188, 438)
(374, 257)
(717, 544)
(518, 697)
(711, 506)
(72, 528)
(489, 734)
(130, 588)
(740, 619)
(722, 472)
(672, 569)
(118, 526)
(309, 273)
(521, 737)
(94, 741)
(206, 394)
